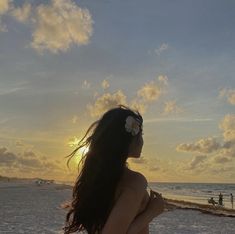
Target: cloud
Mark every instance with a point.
(30, 162)
(19, 143)
(105, 84)
(229, 94)
(138, 105)
(171, 107)
(206, 145)
(6, 158)
(231, 97)
(106, 102)
(59, 25)
(196, 162)
(22, 14)
(161, 48)
(220, 153)
(228, 127)
(5, 6)
(163, 79)
(221, 159)
(26, 161)
(218, 171)
(29, 154)
(150, 92)
(56, 26)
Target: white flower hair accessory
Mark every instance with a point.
(132, 125)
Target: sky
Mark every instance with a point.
(63, 63)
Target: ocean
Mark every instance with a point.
(195, 192)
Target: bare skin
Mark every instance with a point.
(134, 208)
(127, 215)
(125, 183)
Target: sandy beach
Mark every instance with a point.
(29, 208)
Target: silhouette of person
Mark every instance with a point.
(231, 199)
(212, 201)
(220, 199)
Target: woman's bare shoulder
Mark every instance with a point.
(135, 179)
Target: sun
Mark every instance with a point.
(83, 150)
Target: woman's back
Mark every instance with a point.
(131, 199)
(130, 179)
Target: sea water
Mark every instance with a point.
(195, 192)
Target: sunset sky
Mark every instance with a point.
(63, 63)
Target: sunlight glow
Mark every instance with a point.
(83, 150)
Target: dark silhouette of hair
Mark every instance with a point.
(102, 167)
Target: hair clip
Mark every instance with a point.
(132, 125)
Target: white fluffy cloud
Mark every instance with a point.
(60, 24)
(148, 93)
(56, 25)
(107, 101)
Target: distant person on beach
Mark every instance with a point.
(212, 201)
(231, 199)
(220, 199)
(108, 197)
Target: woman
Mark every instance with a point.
(108, 197)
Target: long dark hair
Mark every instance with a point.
(102, 168)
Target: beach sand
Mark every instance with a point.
(28, 208)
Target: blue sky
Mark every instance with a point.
(174, 58)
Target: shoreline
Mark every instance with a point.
(204, 208)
